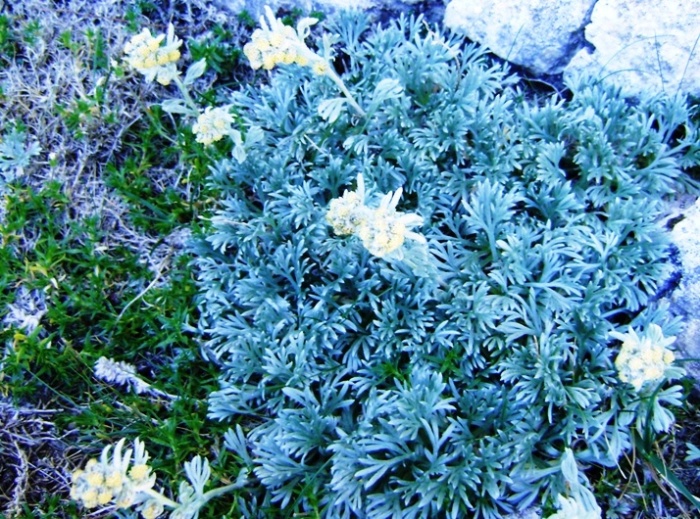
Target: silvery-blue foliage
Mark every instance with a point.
(369, 389)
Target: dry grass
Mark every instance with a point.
(33, 456)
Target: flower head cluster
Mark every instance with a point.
(643, 359)
(145, 54)
(117, 480)
(347, 213)
(382, 230)
(213, 124)
(275, 43)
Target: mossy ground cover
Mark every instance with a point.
(100, 200)
(94, 230)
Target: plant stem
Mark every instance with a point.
(339, 82)
(216, 492)
(161, 498)
(185, 94)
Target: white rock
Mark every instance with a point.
(643, 46)
(255, 7)
(685, 299)
(541, 35)
(686, 236)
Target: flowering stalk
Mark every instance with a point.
(275, 43)
(383, 230)
(119, 481)
(339, 83)
(145, 54)
(185, 94)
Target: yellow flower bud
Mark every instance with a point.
(152, 510)
(139, 472)
(278, 57)
(114, 480)
(95, 479)
(657, 355)
(89, 498)
(153, 45)
(262, 44)
(253, 54)
(268, 62)
(104, 497)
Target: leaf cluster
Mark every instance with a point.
(365, 390)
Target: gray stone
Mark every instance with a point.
(646, 46)
(255, 7)
(540, 35)
(643, 46)
(685, 300)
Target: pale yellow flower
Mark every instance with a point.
(104, 497)
(151, 509)
(382, 234)
(114, 479)
(212, 125)
(145, 54)
(346, 214)
(109, 480)
(94, 479)
(139, 472)
(643, 358)
(275, 43)
(125, 498)
(383, 230)
(89, 498)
